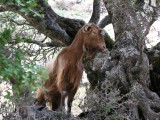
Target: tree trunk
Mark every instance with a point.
(127, 66)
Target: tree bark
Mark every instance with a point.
(127, 66)
(96, 12)
(154, 59)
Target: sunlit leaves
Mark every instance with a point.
(25, 75)
(31, 3)
(25, 11)
(20, 3)
(26, 6)
(13, 66)
(16, 57)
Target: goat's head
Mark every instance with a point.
(93, 40)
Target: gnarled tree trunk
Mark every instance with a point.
(127, 67)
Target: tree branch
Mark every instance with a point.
(61, 30)
(105, 21)
(153, 17)
(96, 12)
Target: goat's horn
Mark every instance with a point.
(86, 27)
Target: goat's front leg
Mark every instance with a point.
(70, 100)
(62, 104)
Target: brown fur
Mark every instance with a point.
(65, 73)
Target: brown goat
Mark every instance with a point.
(65, 73)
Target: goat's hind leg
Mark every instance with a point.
(39, 100)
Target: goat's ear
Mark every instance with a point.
(87, 27)
(102, 32)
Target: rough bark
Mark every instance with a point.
(127, 67)
(154, 59)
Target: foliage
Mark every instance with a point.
(15, 64)
(14, 67)
(18, 62)
(21, 60)
(26, 6)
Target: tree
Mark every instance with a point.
(129, 65)
(126, 66)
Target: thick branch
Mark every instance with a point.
(107, 19)
(96, 12)
(61, 30)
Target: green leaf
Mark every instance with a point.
(32, 4)
(25, 11)
(20, 3)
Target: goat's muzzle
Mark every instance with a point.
(101, 48)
